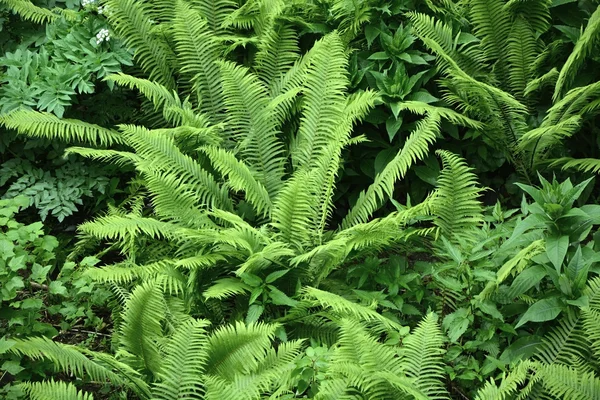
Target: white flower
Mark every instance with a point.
(102, 36)
(86, 3)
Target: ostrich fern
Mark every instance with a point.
(499, 90)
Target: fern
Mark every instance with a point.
(415, 148)
(47, 126)
(54, 390)
(583, 48)
(29, 11)
(456, 205)
(131, 21)
(198, 51)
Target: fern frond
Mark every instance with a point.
(226, 287)
(323, 100)
(549, 78)
(565, 342)
(251, 123)
(240, 178)
(116, 157)
(415, 148)
(54, 390)
(535, 12)
(182, 368)
(131, 20)
(456, 205)
(509, 385)
(198, 51)
(48, 126)
(161, 97)
(163, 159)
(141, 328)
(39, 15)
(343, 308)
(238, 348)
(294, 210)
(215, 12)
(565, 382)
(278, 50)
(420, 108)
(583, 48)
(521, 53)
(541, 139)
(421, 358)
(491, 23)
(71, 359)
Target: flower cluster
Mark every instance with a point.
(103, 10)
(102, 36)
(85, 3)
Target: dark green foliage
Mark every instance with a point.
(305, 213)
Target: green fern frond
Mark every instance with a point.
(39, 15)
(278, 50)
(198, 51)
(72, 359)
(162, 98)
(252, 125)
(491, 23)
(456, 205)
(215, 12)
(535, 12)
(54, 390)
(226, 287)
(163, 159)
(420, 108)
(323, 101)
(48, 126)
(549, 78)
(522, 46)
(509, 385)
(294, 210)
(182, 367)
(343, 308)
(565, 382)
(131, 20)
(565, 342)
(240, 178)
(583, 48)
(421, 358)
(238, 348)
(141, 328)
(415, 148)
(538, 141)
(116, 157)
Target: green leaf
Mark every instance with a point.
(17, 263)
(254, 313)
(380, 55)
(12, 367)
(57, 287)
(543, 310)
(6, 249)
(273, 276)
(457, 323)
(392, 126)
(556, 249)
(6, 344)
(34, 304)
(371, 33)
(279, 298)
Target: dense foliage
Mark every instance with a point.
(324, 199)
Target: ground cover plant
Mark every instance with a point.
(324, 199)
